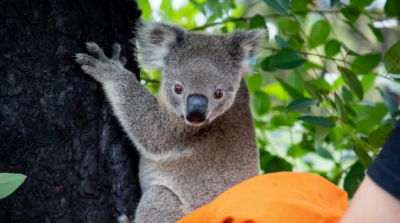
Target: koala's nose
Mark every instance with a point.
(196, 108)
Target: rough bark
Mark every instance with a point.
(55, 124)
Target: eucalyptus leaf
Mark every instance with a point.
(378, 137)
(145, 7)
(301, 103)
(254, 82)
(332, 47)
(341, 109)
(290, 90)
(361, 3)
(325, 153)
(351, 13)
(287, 59)
(257, 21)
(366, 63)
(392, 59)
(316, 120)
(321, 132)
(377, 32)
(270, 163)
(299, 6)
(9, 182)
(363, 156)
(352, 81)
(319, 33)
(281, 42)
(353, 178)
(392, 8)
(280, 6)
(261, 103)
(390, 103)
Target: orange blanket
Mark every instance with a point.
(272, 198)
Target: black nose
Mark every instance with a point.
(196, 108)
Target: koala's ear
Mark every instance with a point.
(154, 41)
(250, 42)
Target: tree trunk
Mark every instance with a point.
(55, 124)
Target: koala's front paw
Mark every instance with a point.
(99, 66)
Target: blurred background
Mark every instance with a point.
(325, 89)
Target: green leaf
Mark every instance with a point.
(342, 112)
(321, 121)
(319, 33)
(290, 90)
(261, 103)
(321, 132)
(392, 59)
(368, 81)
(348, 50)
(270, 163)
(353, 178)
(334, 2)
(366, 63)
(392, 8)
(296, 151)
(361, 3)
(324, 153)
(266, 64)
(347, 95)
(281, 42)
(369, 116)
(332, 48)
(377, 32)
(284, 59)
(295, 80)
(9, 182)
(199, 6)
(352, 81)
(288, 24)
(378, 137)
(363, 156)
(390, 103)
(257, 21)
(301, 103)
(299, 6)
(351, 13)
(254, 82)
(145, 7)
(280, 6)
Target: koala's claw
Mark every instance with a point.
(123, 60)
(116, 52)
(94, 49)
(85, 59)
(99, 65)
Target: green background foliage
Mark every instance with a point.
(325, 86)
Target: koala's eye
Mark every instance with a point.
(218, 94)
(178, 88)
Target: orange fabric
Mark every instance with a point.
(277, 197)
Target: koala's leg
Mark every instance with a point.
(159, 205)
(136, 108)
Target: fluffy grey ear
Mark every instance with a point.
(154, 41)
(250, 42)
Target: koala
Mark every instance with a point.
(196, 138)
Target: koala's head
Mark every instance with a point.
(201, 73)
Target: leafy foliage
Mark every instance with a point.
(323, 91)
(9, 182)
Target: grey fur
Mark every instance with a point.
(183, 167)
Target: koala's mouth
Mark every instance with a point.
(196, 123)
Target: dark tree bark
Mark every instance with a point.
(55, 124)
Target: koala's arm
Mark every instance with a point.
(136, 108)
